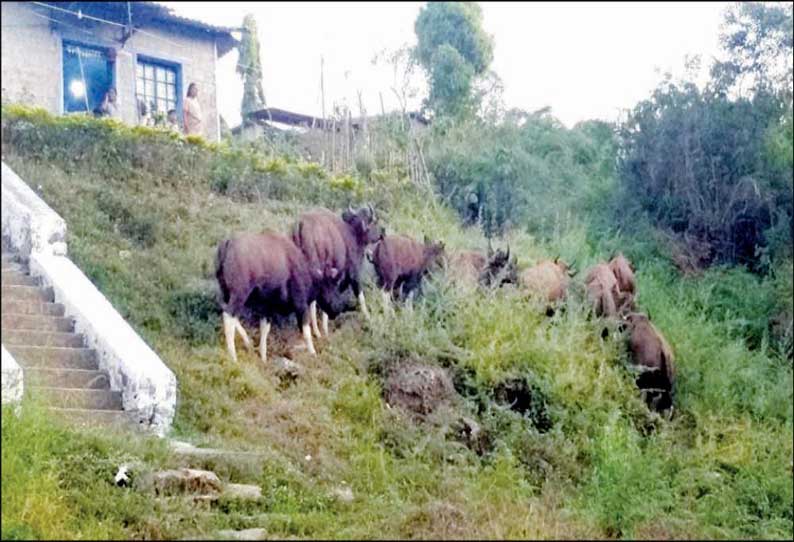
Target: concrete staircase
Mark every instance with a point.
(58, 368)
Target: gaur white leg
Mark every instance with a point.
(307, 336)
(264, 328)
(387, 301)
(363, 304)
(228, 331)
(313, 315)
(249, 344)
(325, 323)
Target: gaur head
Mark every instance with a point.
(434, 253)
(365, 224)
(329, 298)
(630, 318)
(565, 267)
(500, 269)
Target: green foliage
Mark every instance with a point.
(249, 66)
(528, 171)
(453, 49)
(695, 162)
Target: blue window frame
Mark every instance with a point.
(157, 83)
(87, 76)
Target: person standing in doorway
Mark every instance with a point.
(108, 107)
(192, 111)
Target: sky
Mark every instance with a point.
(584, 60)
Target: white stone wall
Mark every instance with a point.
(29, 224)
(12, 378)
(31, 227)
(32, 69)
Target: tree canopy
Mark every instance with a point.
(454, 51)
(249, 66)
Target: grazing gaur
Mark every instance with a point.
(548, 280)
(624, 273)
(472, 267)
(401, 263)
(328, 240)
(650, 351)
(602, 290)
(265, 275)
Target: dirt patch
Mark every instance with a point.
(520, 395)
(418, 388)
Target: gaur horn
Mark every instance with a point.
(371, 211)
(507, 256)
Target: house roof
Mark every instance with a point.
(297, 119)
(147, 13)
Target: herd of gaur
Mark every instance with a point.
(266, 275)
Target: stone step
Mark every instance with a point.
(42, 338)
(79, 398)
(28, 293)
(54, 357)
(67, 378)
(36, 322)
(17, 306)
(13, 266)
(16, 278)
(83, 418)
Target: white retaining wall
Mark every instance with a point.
(33, 229)
(12, 378)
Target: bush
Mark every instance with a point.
(695, 161)
(121, 152)
(529, 171)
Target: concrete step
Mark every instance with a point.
(13, 266)
(42, 338)
(54, 357)
(36, 322)
(83, 418)
(16, 278)
(79, 398)
(28, 293)
(18, 306)
(67, 378)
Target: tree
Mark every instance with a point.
(249, 66)
(757, 38)
(455, 52)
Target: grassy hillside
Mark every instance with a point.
(145, 212)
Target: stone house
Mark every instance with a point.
(64, 57)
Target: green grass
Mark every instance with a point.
(722, 468)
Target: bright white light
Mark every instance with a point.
(77, 88)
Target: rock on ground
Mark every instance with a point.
(181, 481)
(245, 534)
(418, 388)
(242, 491)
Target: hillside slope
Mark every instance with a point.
(145, 213)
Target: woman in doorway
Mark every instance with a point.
(192, 111)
